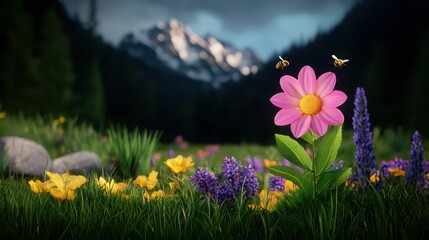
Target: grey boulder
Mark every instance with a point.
(82, 162)
(23, 156)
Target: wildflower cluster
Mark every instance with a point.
(234, 181)
(208, 152)
(396, 167)
(111, 187)
(148, 183)
(61, 187)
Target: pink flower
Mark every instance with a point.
(307, 103)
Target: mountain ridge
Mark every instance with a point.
(174, 45)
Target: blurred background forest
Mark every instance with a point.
(52, 63)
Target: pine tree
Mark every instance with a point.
(418, 116)
(55, 66)
(93, 108)
(376, 81)
(18, 76)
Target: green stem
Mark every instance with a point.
(313, 158)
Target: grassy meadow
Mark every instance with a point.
(398, 211)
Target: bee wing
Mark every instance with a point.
(334, 57)
(345, 60)
(281, 58)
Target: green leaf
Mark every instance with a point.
(309, 137)
(293, 175)
(342, 177)
(292, 151)
(328, 149)
(332, 179)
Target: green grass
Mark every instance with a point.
(395, 213)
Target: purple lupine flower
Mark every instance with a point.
(241, 179)
(256, 163)
(362, 138)
(277, 183)
(231, 170)
(204, 181)
(224, 192)
(249, 182)
(415, 175)
(426, 167)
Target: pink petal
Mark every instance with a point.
(291, 86)
(283, 100)
(301, 126)
(325, 84)
(307, 79)
(287, 116)
(332, 116)
(334, 99)
(318, 126)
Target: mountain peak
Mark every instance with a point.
(205, 59)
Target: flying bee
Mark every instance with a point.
(339, 63)
(282, 64)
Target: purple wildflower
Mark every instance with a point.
(237, 181)
(256, 163)
(170, 153)
(277, 183)
(231, 169)
(241, 179)
(249, 182)
(340, 164)
(204, 181)
(415, 175)
(362, 138)
(224, 192)
(286, 162)
(426, 167)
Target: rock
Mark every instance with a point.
(77, 163)
(23, 156)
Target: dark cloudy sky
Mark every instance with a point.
(268, 27)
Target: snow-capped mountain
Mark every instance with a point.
(176, 46)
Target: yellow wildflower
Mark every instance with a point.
(397, 172)
(268, 163)
(154, 195)
(290, 186)
(267, 201)
(2, 115)
(148, 182)
(350, 183)
(111, 187)
(179, 164)
(61, 119)
(62, 186)
(374, 178)
(36, 186)
(427, 176)
(173, 187)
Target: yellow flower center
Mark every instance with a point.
(310, 104)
